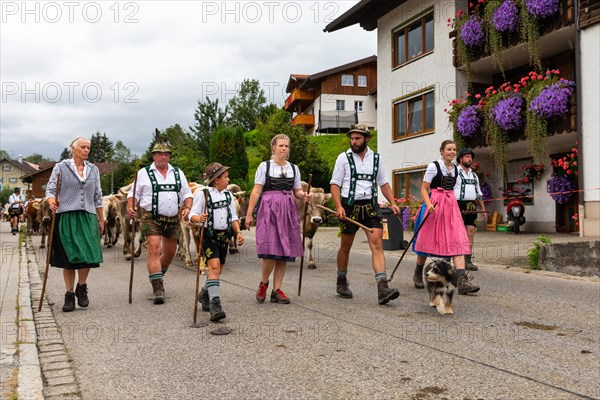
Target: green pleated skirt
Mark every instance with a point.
(76, 243)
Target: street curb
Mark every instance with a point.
(57, 375)
(30, 384)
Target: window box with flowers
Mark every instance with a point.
(563, 183)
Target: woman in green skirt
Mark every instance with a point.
(79, 221)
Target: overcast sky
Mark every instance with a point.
(72, 68)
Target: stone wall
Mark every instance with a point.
(575, 258)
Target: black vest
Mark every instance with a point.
(282, 183)
(445, 182)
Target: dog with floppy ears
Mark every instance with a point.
(441, 281)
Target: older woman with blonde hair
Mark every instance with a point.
(77, 202)
(278, 237)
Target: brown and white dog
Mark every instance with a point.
(441, 281)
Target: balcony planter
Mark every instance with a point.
(501, 19)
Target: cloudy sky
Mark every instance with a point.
(76, 67)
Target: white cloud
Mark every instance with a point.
(151, 73)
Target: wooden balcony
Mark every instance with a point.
(549, 37)
(307, 120)
(299, 97)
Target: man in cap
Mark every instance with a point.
(15, 209)
(354, 182)
(468, 194)
(161, 190)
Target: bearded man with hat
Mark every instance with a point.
(468, 194)
(356, 177)
(161, 190)
(15, 210)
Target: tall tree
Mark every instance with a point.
(101, 148)
(4, 154)
(303, 153)
(209, 117)
(248, 105)
(65, 154)
(228, 147)
(122, 154)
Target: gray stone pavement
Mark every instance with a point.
(527, 334)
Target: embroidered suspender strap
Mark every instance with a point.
(211, 206)
(354, 176)
(156, 188)
(464, 182)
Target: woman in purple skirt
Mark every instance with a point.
(278, 237)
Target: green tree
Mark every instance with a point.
(122, 154)
(65, 154)
(228, 147)
(4, 154)
(248, 105)
(303, 153)
(209, 117)
(101, 148)
(36, 158)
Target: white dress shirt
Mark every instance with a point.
(220, 214)
(341, 174)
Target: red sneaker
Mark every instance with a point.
(261, 294)
(277, 296)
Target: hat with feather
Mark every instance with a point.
(160, 146)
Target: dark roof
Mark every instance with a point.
(324, 74)
(366, 13)
(29, 177)
(24, 166)
(106, 168)
(295, 80)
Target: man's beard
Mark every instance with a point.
(466, 164)
(359, 149)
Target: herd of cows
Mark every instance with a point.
(38, 217)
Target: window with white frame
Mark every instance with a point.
(340, 105)
(358, 106)
(347, 80)
(13, 180)
(362, 81)
(6, 168)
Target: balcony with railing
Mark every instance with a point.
(306, 120)
(557, 33)
(299, 97)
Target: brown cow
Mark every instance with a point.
(189, 231)
(241, 209)
(314, 217)
(122, 215)
(31, 210)
(112, 223)
(44, 219)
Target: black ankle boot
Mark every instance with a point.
(384, 293)
(69, 302)
(204, 300)
(216, 312)
(82, 297)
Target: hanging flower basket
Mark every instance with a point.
(471, 32)
(560, 187)
(542, 8)
(506, 17)
(553, 99)
(468, 121)
(532, 171)
(508, 113)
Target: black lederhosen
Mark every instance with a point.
(216, 246)
(362, 211)
(468, 205)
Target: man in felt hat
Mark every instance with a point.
(161, 191)
(214, 207)
(356, 177)
(468, 194)
(15, 209)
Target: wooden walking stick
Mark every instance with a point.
(201, 267)
(409, 244)
(132, 222)
(303, 237)
(50, 238)
(329, 210)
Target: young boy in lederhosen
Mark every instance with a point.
(214, 207)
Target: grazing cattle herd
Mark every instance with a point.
(39, 216)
